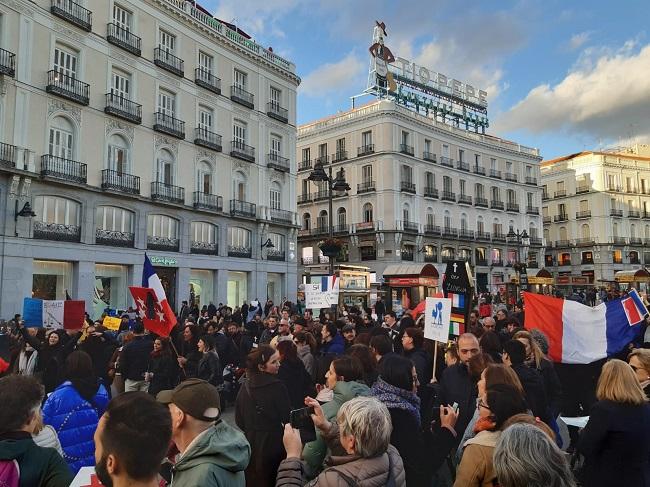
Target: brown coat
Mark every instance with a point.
(476, 468)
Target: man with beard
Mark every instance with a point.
(131, 440)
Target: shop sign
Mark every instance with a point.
(412, 281)
(563, 279)
(165, 261)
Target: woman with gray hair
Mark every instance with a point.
(526, 457)
(362, 428)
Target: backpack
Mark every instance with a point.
(9, 473)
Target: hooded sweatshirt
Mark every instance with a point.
(218, 458)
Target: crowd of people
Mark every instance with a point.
(388, 406)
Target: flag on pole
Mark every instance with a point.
(580, 334)
(457, 300)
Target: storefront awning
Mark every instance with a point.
(541, 277)
(408, 275)
(638, 275)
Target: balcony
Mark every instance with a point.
(615, 188)
(306, 260)
(614, 212)
(646, 214)
(7, 155)
(119, 181)
(532, 264)
(320, 229)
(532, 181)
(562, 243)
(304, 165)
(432, 229)
(429, 156)
(320, 195)
(535, 241)
(479, 170)
(123, 108)
(407, 187)
(275, 111)
(65, 169)
(169, 125)
(462, 165)
(448, 196)
(341, 228)
(496, 204)
(364, 150)
(560, 193)
(322, 159)
(409, 226)
(243, 252)
(430, 258)
(366, 187)
(341, 155)
(446, 161)
(619, 240)
(205, 79)
(121, 37)
(496, 263)
(204, 138)
(207, 201)
(494, 173)
(463, 199)
(450, 232)
(167, 192)
(7, 63)
(511, 177)
(243, 208)
(546, 219)
(57, 231)
(68, 87)
(406, 149)
(482, 202)
(304, 198)
(284, 217)
(407, 255)
(242, 151)
(565, 263)
(368, 253)
(73, 13)
(585, 242)
(532, 210)
(498, 237)
(166, 60)
(466, 234)
(165, 244)
(561, 218)
(633, 214)
(483, 236)
(204, 248)
(277, 162)
(430, 193)
(630, 190)
(114, 239)
(582, 189)
(583, 214)
(276, 255)
(241, 96)
(636, 241)
(512, 207)
(545, 196)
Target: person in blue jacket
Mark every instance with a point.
(74, 409)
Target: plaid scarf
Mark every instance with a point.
(397, 398)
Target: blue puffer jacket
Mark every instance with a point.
(75, 421)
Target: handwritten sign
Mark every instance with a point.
(437, 315)
(315, 298)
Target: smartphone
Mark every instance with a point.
(301, 420)
(454, 406)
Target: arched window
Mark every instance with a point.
(546, 236)
(615, 229)
(277, 240)
(204, 178)
(114, 219)
(584, 231)
(406, 212)
(367, 213)
(239, 242)
(165, 170)
(480, 224)
(239, 186)
(633, 230)
(463, 222)
(61, 138)
(430, 218)
(306, 221)
(563, 233)
(447, 219)
(275, 196)
(204, 238)
(118, 154)
(57, 210)
(511, 225)
(496, 227)
(341, 217)
(323, 221)
(162, 226)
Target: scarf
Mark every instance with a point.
(397, 398)
(484, 424)
(27, 365)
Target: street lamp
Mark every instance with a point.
(333, 184)
(26, 211)
(523, 240)
(268, 244)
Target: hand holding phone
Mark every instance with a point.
(300, 419)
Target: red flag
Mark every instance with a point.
(74, 314)
(151, 311)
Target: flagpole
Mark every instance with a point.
(435, 361)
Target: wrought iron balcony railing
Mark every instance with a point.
(237, 251)
(446, 161)
(464, 199)
(124, 38)
(169, 125)
(535, 241)
(407, 187)
(242, 151)
(532, 210)
(124, 108)
(560, 193)
(633, 214)
(341, 155)
(277, 162)
(450, 232)
(479, 170)
(584, 188)
(204, 248)
(430, 192)
(406, 149)
(322, 159)
(561, 218)
(68, 87)
(57, 231)
(243, 208)
(432, 229)
(305, 165)
(448, 196)
(410, 226)
(532, 181)
(207, 201)
(7, 63)
(205, 79)
(619, 240)
(512, 207)
(364, 150)
(341, 228)
(275, 111)
(615, 212)
(512, 177)
(494, 173)
(562, 243)
(366, 187)
(66, 169)
(483, 202)
(462, 165)
(585, 241)
(119, 181)
(163, 243)
(429, 156)
(304, 198)
(73, 13)
(167, 192)
(483, 236)
(7, 155)
(241, 96)
(407, 255)
(465, 233)
(276, 255)
(166, 60)
(205, 138)
(583, 214)
(114, 239)
(498, 237)
(496, 204)
(281, 216)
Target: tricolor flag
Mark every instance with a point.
(457, 300)
(580, 334)
(54, 313)
(330, 285)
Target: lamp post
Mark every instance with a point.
(268, 244)
(26, 211)
(523, 240)
(337, 183)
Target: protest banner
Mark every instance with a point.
(112, 323)
(437, 316)
(315, 298)
(55, 314)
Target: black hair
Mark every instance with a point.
(415, 334)
(504, 401)
(348, 367)
(259, 356)
(331, 328)
(138, 328)
(78, 369)
(382, 344)
(516, 351)
(209, 340)
(20, 396)
(397, 371)
(391, 313)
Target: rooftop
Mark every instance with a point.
(639, 152)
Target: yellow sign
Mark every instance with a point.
(112, 323)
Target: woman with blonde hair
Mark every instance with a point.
(616, 440)
(639, 360)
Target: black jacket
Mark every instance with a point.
(533, 384)
(134, 360)
(228, 353)
(190, 351)
(456, 385)
(49, 365)
(616, 445)
(552, 386)
(422, 362)
(298, 382)
(209, 368)
(165, 373)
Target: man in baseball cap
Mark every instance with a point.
(212, 452)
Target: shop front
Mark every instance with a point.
(201, 287)
(409, 284)
(167, 268)
(51, 279)
(638, 278)
(237, 288)
(111, 289)
(354, 285)
(541, 282)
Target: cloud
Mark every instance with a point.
(257, 18)
(578, 40)
(607, 97)
(341, 76)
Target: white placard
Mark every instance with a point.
(315, 298)
(579, 421)
(86, 477)
(437, 315)
(53, 314)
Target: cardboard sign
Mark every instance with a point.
(457, 286)
(437, 316)
(112, 323)
(315, 298)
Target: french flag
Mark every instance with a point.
(329, 283)
(151, 280)
(580, 334)
(457, 300)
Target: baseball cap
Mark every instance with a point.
(195, 397)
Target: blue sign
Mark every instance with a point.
(33, 312)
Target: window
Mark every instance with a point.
(239, 237)
(57, 210)
(165, 167)
(166, 102)
(430, 218)
(629, 184)
(241, 79)
(447, 219)
(306, 155)
(205, 119)
(585, 232)
(341, 217)
(496, 194)
(511, 196)
(306, 221)
(305, 186)
(162, 226)
(617, 257)
(239, 130)
(430, 180)
(118, 154)
(584, 205)
(633, 230)
(615, 230)
(204, 232)
(427, 146)
(461, 155)
(275, 196)
(275, 96)
(561, 209)
(366, 173)
(529, 199)
(445, 150)
(65, 63)
(340, 147)
(529, 171)
(239, 186)
(406, 213)
(276, 145)
(366, 138)
(461, 186)
(560, 186)
(497, 227)
(480, 225)
(61, 141)
(206, 62)
(406, 174)
(479, 191)
(447, 184)
(120, 84)
(323, 220)
(405, 137)
(563, 234)
(167, 42)
(114, 219)
(367, 213)
(463, 222)
(278, 241)
(322, 150)
(122, 17)
(509, 167)
(477, 160)
(204, 178)
(493, 164)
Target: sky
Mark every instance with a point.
(561, 76)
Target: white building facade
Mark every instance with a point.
(596, 213)
(142, 126)
(421, 191)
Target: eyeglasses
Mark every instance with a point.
(635, 368)
(481, 404)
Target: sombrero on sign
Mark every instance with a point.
(382, 26)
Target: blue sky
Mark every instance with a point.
(561, 76)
